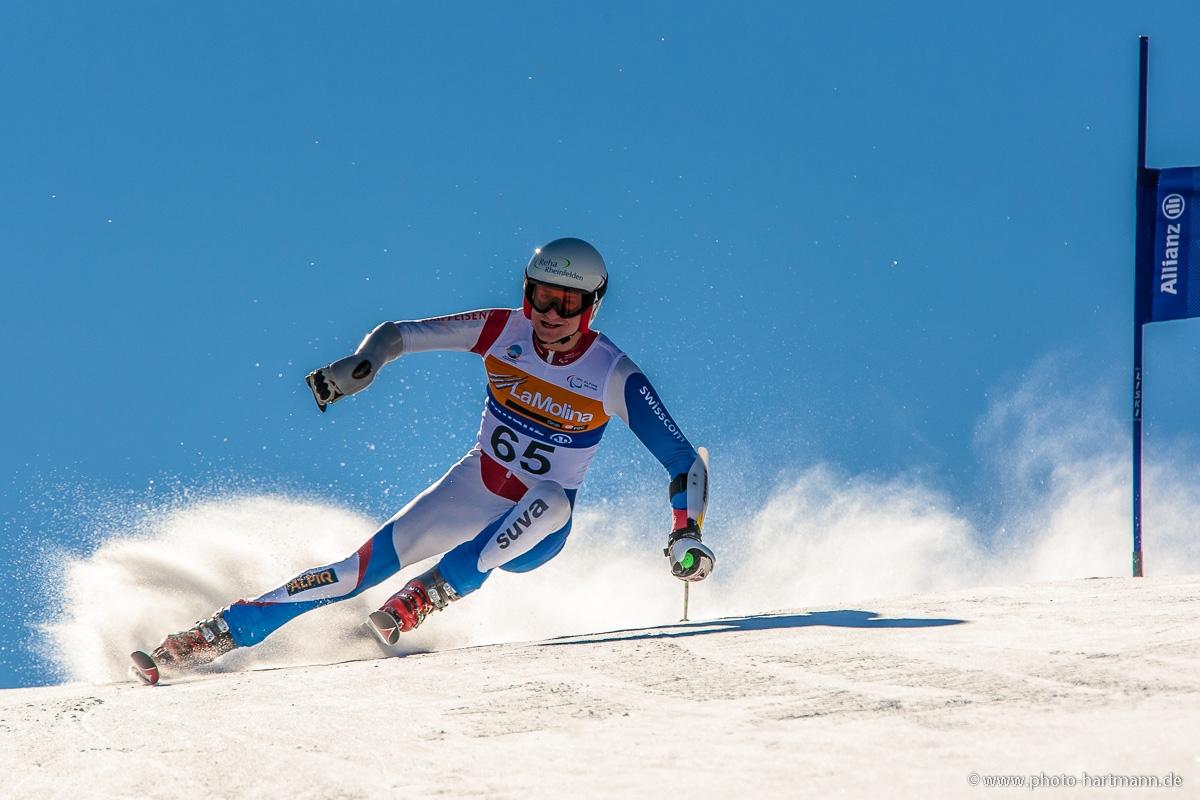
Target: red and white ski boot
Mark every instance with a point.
(407, 608)
(200, 644)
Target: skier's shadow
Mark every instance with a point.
(758, 622)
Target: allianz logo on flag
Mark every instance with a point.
(1176, 254)
(1173, 205)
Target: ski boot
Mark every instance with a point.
(408, 607)
(198, 645)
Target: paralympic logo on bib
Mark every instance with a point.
(576, 382)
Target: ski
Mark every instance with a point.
(143, 667)
(385, 627)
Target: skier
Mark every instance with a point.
(553, 384)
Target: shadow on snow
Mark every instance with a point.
(758, 622)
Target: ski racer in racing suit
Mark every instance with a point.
(553, 384)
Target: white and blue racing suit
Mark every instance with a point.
(507, 503)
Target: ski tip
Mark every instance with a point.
(143, 668)
(385, 626)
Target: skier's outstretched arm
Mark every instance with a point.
(472, 331)
(631, 397)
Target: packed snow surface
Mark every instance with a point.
(910, 696)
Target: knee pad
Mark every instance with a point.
(557, 506)
(543, 510)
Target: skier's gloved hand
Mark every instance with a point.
(343, 377)
(690, 559)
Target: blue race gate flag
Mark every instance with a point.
(1166, 275)
(1176, 286)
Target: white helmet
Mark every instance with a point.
(570, 264)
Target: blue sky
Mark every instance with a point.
(834, 232)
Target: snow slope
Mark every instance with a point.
(901, 697)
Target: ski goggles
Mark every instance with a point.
(567, 302)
